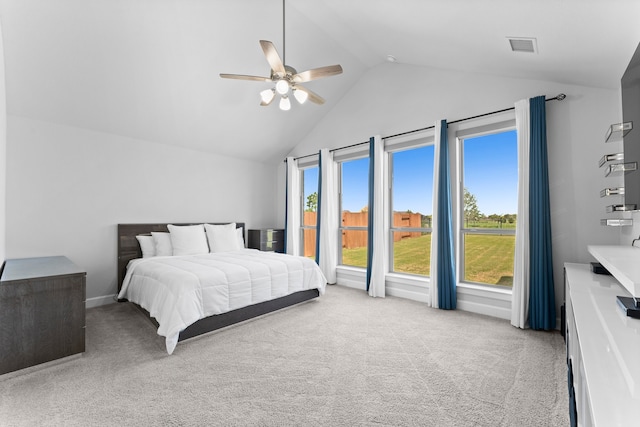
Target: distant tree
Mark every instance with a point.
(471, 211)
(425, 221)
(312, 202)
(497, 218)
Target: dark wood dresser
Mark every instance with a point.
(42, 311)
(266, 239)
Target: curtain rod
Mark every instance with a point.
(558, 97)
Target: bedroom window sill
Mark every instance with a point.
(351, 269)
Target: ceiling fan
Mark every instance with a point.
(287, 80)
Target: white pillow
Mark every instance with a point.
(147, 245)
(163, 243)
(188, 239)
(240, 233)
(222, 238)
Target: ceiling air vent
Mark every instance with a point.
(523, 44)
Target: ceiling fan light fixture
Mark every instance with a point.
(286, 79)
(282, 87)
(267, 95)
(285, 104)
(301, 96)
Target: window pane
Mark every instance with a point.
(490, 179)
(355, 192)
(354, 248)
(412, 252)
(488, 258)
(411, 199)
(310, 193)
(309, 242)
(490, 197)
(309, 210)
(413, 182)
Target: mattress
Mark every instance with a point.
(180, 290)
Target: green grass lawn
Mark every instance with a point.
(488, 258)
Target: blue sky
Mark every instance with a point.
(310, 182)
(413, 180)
(355, 185)
(490, 174)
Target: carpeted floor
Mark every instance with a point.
(343, 360)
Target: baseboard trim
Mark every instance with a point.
(351, 277)
(403, 293)
(350, 284)
(98, 301)
(487, 310)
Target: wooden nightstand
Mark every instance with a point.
(267, 239)
(42, 311)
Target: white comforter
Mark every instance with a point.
(180, 290)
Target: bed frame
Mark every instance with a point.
(128, 249)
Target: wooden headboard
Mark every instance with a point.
(129, 248)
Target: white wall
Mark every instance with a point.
(68, 188)
(393, 98)
(629, 234)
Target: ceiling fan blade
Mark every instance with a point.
(273, 58)
(317, 73)
(313, 97)
(243, 77)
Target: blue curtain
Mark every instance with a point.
(446, 271)
(370, 212)
(542, 306)
(286, 204)
(318, 210)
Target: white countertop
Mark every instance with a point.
(621, 261)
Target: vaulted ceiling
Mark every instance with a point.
(148, 69)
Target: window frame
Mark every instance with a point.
(309, 164)
(349, 155)
(392, 148)
(462, 231)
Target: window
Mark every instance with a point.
(354, 200)
(489, 198)
(309, 210)
(411, 210)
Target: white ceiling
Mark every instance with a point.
(148, 69)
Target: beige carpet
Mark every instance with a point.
(343, 360)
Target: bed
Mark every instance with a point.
(187, 295)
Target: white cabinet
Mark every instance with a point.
(603, 348)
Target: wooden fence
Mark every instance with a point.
(358, 238)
